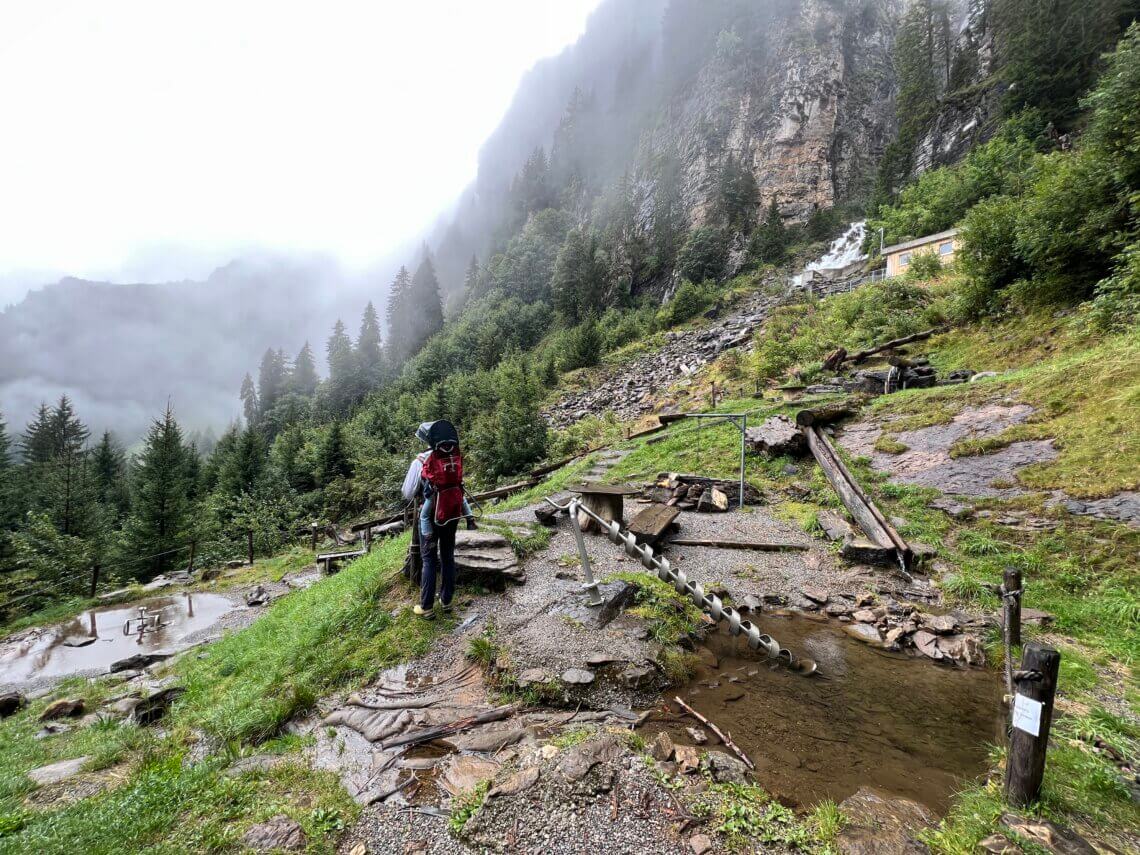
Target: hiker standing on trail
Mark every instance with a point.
(436, 476)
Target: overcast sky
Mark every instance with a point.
(153, 135)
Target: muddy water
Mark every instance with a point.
(49, 652)
(869, 718)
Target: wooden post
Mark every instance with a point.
(249, 541)
(193, 547)
(714, 395)
(1036, 684)
(94, 579)
(368, 539)
(1011, 605)
(314, 537)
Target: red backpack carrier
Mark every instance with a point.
(443, 470)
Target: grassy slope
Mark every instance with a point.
(336, 634)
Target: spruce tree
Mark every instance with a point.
(369, 355)
(577, 282)
(471, 278)
(9, 512)
(333, 459)
(109, 471)
(160, 504)
(68, 434)
(249, 400)
(304, 380)
(244, 464)
(36, 443)
(770, 240)
(400, 316)
(341, 389)
(270, 380)
(427, 302)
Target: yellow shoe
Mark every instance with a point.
(418, 611)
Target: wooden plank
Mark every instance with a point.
(650, 523)
(499, 492)
(755, 545)
(829, 413)
(595, 488)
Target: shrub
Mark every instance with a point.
(924, 265)
(689, 301)
(704, 255)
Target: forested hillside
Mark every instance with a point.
(680, 150)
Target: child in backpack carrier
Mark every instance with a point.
(437, 476)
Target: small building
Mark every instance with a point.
(899, 256)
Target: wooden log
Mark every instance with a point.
(725, 738)
(830, 413)
(1011, 600)
(647, 431)
(755, 545)
(669, 418)
(609, 506)
(457, 726)
(1036, 685)
(499, 492)
(834, 359)
(897, 342)
(376, 523)
(650, 524)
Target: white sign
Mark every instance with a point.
(1027, 714)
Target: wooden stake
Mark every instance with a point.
(756, 545)
(193, 547)
(314, 537)
(728, 743)
(94, 580)
(1036, 684)
(249, 540)
(1011, 611)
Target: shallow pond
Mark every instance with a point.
(867, 718)
(52, 651)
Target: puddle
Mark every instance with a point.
(869, 718)
(47, 652)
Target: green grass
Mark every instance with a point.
(273, 569)
(571, 473)
(466, 806)
(669, 616)
(889, 444)
(336, 634)
(746, 815)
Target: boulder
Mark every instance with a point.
(154, 707)
(723, 768)
(938, 624)
(775, 437)
(697, 735)
(487, 553)
(864, 632)
(464, 772)
(1047, 835)
(11, 703)
(56, 772)
(662, 747)
(927, 644)
(879, 824)
(278, 833)
(580, 759)
(834, 526)
(965, 649)
(688, 758)
(64, 708)
(638, 676)
(815, 594)
(138, 661)
(577, 676)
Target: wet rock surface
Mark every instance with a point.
(880, 824)
(277, 834)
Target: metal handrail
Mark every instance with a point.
(710, 604)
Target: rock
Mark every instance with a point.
(463, 772)
(775, 437)
(688, 758)
(723, 768)
(834, 526)
(864, 616)
(487, 553)
(278, 833)
(257, 596)
(878, 824)
(209, 574)
(51, 730)
(927, 643)
(56, 772)
(697, 735)
(662, 747)
(893, 636)
(577, 676)
(962, 648)
(836, 609)
(580, 759)
(816, 595)
(124, 706)
(861, 551)
(864, 632)
(485, 741)
(700, 844)
(138, 661)
(638, 676)
(152, 708)
(707, 657)
(79, 640)
(64, 708)
(1062, 841)
(938, 624)
(1036, 617)
(922, 551)
(253, 763)
(533, 675)
(599, 658)
(517, 783)
(954, 509)
(11, 703)
(999, 845)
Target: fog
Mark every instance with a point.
(155, 143)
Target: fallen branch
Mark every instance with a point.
(755, 545)
(897, 342)
(728, 743)
(450, 729)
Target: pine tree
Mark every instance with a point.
(36, 443)
(9, 512)
(160, 505)
(427, 302)
(270, 380)
(62, 486)
(471, 278)
(333, 459)
(769, 242)
(369, 355)
(304, 380)
(249, 400)
(68, 434)
(109, 471)
(341, 388)
(243, 466)
(399, 315)
(737, 196)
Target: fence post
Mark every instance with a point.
(1036, 684)
(314, 537)
(94, 578)
(193, 548)
(249, 541)
(368, 539)
(1011, 604)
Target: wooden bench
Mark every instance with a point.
(605, 500)
(328, 560)
(650, 524)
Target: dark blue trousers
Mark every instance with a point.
(438, 552)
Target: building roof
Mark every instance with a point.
(922, 241)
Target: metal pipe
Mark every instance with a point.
(590, 585)
(711, 604)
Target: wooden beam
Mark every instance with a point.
(897, 342)
(755, 545)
